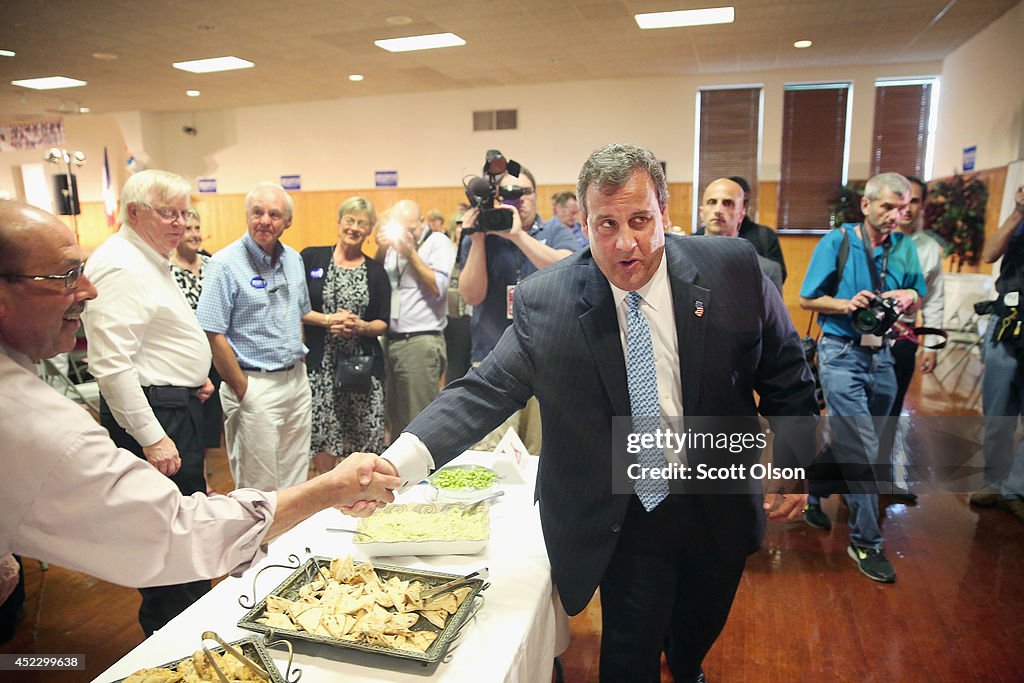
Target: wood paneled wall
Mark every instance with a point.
(223, 220)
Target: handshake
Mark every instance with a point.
(362, 482)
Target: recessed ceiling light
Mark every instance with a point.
(398, 20)
(84, 110)
(6, 53)
(192, 93)
(49, 83)
(428, 42)
(689, 17)
(801, 44)
(205, 66)
(355, 77)
(104, 56)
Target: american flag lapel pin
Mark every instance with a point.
(698, 308)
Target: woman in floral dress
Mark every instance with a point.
(351, 299)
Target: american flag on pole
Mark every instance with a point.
(109, 200)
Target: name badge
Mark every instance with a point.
(258, 282)
(316, 273)
(508, 300)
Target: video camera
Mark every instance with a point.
(482, 192)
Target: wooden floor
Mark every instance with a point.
(802, 613)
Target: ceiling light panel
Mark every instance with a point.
(428, 42)
(205, 66)
(690, 17)
(49, 83)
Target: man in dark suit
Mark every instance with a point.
(717, 331)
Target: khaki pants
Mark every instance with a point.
(414, 370)
(267, 433)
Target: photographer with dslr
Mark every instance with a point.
(861, 277)
(495, 261)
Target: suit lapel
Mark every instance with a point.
(691, 303)
(601, 331)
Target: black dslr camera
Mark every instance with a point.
(483, 191)
(878, 317)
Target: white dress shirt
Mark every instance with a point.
(930, 254)
(413, 460)
(411, 309)
(71, 497)
(141, 331)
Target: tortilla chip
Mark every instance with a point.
(277, 621)
(309, 619)
(437, 617)
(276, 605)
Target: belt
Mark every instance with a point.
(262, 371)
(850, 340)
(400, 336)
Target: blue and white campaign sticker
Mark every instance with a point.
(258, 283)
(316, 273)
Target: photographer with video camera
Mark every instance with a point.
(506, 242)
(858, 300)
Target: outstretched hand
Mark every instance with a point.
(373, 473)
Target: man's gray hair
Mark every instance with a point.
(267, 185)
(149, 186)
(893, 182)
(611, 166)
(359, 204)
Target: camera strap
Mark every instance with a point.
(877, 279)
(914, 334)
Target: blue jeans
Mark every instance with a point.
(858, 383)
(1002, 396)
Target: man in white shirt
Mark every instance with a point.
(70, 495)
(419, 264)
(905, 352)
(148, 353)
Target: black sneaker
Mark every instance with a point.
(872, 564)
(816, 517)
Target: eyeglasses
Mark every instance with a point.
(348, 222)
(70, 278)
(171, 214)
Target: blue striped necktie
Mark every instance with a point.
(643, 399)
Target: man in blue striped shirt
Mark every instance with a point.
(254, 296)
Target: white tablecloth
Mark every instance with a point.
(514, 637)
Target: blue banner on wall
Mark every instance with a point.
(291, 182)
(385, 178)
(207, 185)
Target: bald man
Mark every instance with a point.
(70, 495)
(722, 211)
(419, 264)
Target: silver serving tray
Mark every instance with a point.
(252, 647)
(289, 589)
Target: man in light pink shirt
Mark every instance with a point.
(70, 496)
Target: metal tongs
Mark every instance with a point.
(454, 583)
(248, 663)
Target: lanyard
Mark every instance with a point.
(877, 280)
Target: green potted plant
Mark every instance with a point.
(955, 214)
(844, 204)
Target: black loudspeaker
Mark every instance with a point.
(66, 202)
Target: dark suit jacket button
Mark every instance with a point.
(616, 528)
